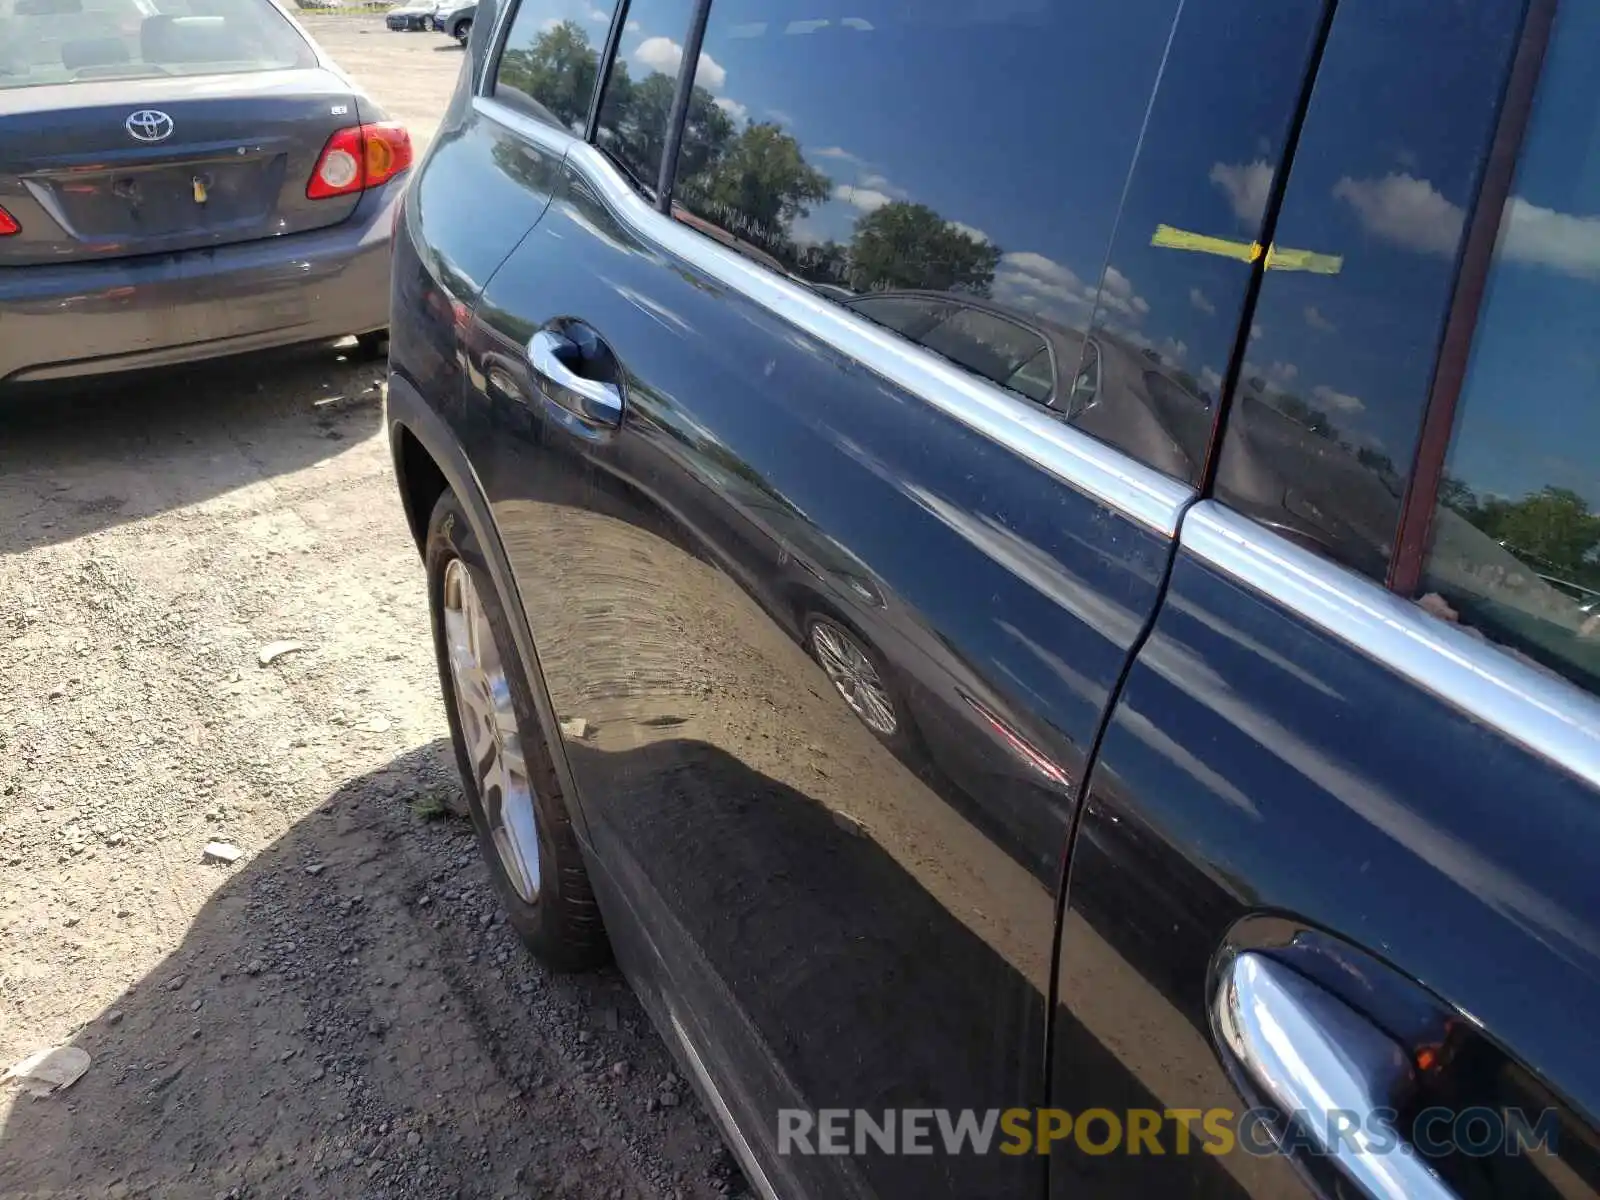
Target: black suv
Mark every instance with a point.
(1030, 569)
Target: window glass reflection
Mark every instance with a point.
(1516, 540)
(927, 154)
(1035, 378)
(638, 95)
(909, 315)
(1323, 427)
(984, 342)
(551, 60)
(1171, 299)
(943, 149)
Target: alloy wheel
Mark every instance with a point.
(852, 671)
(489, 729)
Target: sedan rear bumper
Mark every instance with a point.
(91, 318)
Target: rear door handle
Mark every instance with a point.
(591, 400)
(1311, 1054)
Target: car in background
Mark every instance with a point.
(1021, 353)
(410, 18)
(455, 19)
(1097, 381)
(184, 179)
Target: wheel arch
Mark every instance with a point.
(427, 460)
(420, 479)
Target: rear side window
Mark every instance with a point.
(637, 106)
(65, 41)
(1323, 425)
(551, 60)
(1516, 539)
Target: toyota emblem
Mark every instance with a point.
(148, 125)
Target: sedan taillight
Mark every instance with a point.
(358, 158)
(8, 224)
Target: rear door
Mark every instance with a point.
(142, 129)
(829, 621)
(1337, 851)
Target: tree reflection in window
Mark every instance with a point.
(1515, 540)
(554, 76)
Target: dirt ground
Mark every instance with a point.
(341, 1012)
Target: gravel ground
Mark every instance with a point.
(341, 1011)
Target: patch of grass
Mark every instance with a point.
(430, 806)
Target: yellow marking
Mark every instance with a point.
(199, 190)
(1281, 259)
(1278, 257)
(1182, 239)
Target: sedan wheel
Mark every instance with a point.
(463, 31)
(489, 728)
(856, 677)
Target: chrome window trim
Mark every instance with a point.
(1542, 711)
(1099, 471)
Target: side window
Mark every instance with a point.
(637, 104)
(1171, 299)
(954, 148)
(1323, 426)
(1516, 538)
(913, 161)
(551, 60)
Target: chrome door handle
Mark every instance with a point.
(596, 402)
(1312, 1054)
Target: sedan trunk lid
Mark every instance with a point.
(103, 169)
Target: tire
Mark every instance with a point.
(557, 917)
(462, 31)
(859, 663)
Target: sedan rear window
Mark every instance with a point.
(65, 41)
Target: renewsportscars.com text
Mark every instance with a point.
(1160, 1131)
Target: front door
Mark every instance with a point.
(830, 618)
